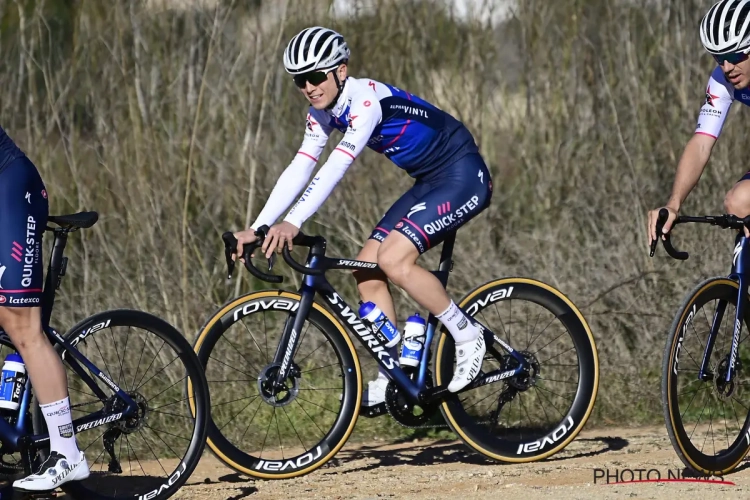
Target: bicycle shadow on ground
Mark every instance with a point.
(449, 451)
(235, 477)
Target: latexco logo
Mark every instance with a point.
(621, 476)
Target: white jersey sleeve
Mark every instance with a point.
(719, 98)
(364, 115)
(296, 175)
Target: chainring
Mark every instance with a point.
(404, 411)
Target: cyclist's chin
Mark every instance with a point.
(740, 83)
(320, 103)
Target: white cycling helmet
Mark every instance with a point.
(726, 27)
(314, 49)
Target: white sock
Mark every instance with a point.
(461, 328)
(60, 426)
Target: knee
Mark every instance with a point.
(394, 266)
(737, 202)
(23, 327)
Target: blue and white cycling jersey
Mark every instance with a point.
(720, 94)
(415, 135)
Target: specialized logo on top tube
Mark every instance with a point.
(737, 250)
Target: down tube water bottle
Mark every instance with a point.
(382, 327)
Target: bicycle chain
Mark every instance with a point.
(425, 426)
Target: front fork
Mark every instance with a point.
(740, 270)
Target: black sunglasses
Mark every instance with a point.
(732, 58)
(314, 77)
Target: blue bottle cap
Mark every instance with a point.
(416, 318)
(14, 356)
(366, 308)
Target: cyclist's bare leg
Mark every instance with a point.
(49, 380)
(397, 257)
(737, 200)
(24, 327)
(373, 285)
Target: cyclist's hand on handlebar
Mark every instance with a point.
(243, 238)
(278, 235)
(653, 215)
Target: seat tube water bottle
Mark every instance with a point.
(414, 337)
(382, 328)
(13, 382)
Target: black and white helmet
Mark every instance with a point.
(314, 49)
(726, 27)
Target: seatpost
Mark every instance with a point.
(51, 282)
(446, 259)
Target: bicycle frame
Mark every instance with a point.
(740, 272)
(15, 438)
(416, 390)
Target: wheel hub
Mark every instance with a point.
(134, 422)
(527, 378)
(283, 393)
(724, 388)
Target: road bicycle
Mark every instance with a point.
(284, 406)
(127, 392)
(705, 364)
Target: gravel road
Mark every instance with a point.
(447, 469)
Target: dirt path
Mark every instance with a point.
(447, 469)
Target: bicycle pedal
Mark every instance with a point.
(373, 411)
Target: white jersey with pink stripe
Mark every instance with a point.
(720, 94)
(415, 135)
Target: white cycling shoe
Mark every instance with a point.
(374, 394)
(469, 356)
(54, 472)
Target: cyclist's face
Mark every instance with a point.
(737, 74)
(319, 91)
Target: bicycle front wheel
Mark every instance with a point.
(278, 432)
(150, 454)
(707, 417)
(535, 414)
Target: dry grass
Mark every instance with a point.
(174, 125)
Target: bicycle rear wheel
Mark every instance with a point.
(276, 435)
(526, 417)
(157, 450)
(707, 419)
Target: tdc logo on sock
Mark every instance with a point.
(66, 430)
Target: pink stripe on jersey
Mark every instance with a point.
(381, 229)
(305, 154)
(30, 290)
(705, 133)
(403, 129)
(345, 151)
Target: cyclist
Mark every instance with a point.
(452, 185)
(725, 33)
(23, 216)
